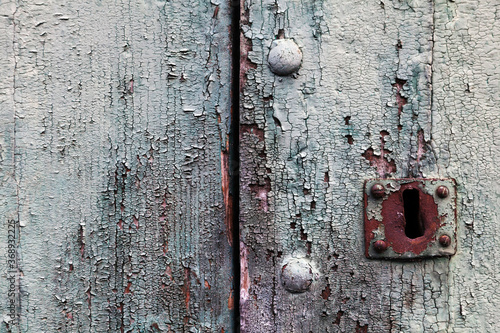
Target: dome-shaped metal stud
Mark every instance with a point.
(297, 275)
(285, 57)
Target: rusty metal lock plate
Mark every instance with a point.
(410, 218)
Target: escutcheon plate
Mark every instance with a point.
(387, 209)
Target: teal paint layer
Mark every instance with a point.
(114, 128)
(385, 89)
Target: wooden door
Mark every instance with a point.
(116, 148)
(385, 89)
(114, 166)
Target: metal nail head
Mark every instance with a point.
(442, 191)
(377, 191)
(285, 57)
(297, 275)
(380, 246)
(445, 240)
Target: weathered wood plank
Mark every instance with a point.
(114, 149)
(386, 89)
(466, 123)
(8, 200)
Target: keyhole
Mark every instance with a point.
(414, 225)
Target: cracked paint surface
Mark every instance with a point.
(113, 145)
(386, 89)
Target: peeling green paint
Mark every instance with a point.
(386, 89)
(115, 116)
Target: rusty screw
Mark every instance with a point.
(380, 246)
(445, 240)
(378, 191)
(442, 192)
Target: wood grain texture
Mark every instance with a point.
(115, 118)
(396, 88)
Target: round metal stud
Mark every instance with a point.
(297, 275)
(445, 240)
(442, 191)
(380, 246)
(285, 57)
(377, 191)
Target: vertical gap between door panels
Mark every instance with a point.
(234, 154)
